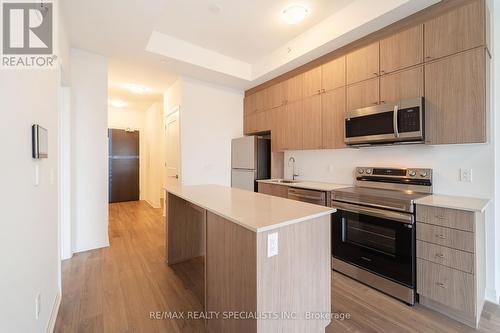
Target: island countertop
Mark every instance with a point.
(254, 211)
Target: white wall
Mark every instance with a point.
(89, 150)
(210, 116)
(29, 235)
(133, 119)
(154, 159)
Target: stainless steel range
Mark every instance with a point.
(373, 230)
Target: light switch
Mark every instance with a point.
(466, 175)
(272, 244)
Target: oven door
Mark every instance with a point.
(377, 240)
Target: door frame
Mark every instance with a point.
(174, 110)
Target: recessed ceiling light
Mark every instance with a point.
(294, 14)
(136, 88)
(117, 103)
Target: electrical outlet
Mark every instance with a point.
(37, 305)
(466, 175)
(272, 244)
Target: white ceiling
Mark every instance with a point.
(245, 30)
(239, 43)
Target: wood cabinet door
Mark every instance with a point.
(363, 63)
(333, 106)
(293, 88)
(402, 50)
(311, 129)
(250, 124)
(262, 121)
(460, 29)
(455, 98)
(311, 82)
(275, 96)
(333, 74)
(293, 123)
(277, 121)
(405, 84)
(249, 105)
(363, 94)
(260, 100)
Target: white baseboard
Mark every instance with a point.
(53, 314)
(152, 205)
(492, 296)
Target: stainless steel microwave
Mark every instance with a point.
(398, 122)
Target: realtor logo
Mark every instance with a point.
(27, 30)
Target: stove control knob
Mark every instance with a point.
(412, 173)
(368, 171)
(361, 171)
(423, 174)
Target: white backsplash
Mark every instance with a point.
(337, 166)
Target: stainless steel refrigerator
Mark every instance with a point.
(250, 160)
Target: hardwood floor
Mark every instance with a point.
(114, 289)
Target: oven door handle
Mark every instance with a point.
(395, 121)
(386, 214)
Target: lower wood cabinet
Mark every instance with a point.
(451, 262)
(273, 189)
(456, 98)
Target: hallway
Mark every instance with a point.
(114, 289)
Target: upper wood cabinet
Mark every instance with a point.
(249, 105)
(455, 98)
(333, 106)
(275, 96)
(292, 123)
(408, 83)
(460, 29)
(311, 82)
(311, 127)
(293, 88)
(333, 74)
(363, 94)
(277, 118)
(363, 63)
(404, 49)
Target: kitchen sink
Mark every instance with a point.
(284, 181)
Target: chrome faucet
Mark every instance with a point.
(292, 160)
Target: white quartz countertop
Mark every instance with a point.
(453, 202)
(327, 187)
(255, 211)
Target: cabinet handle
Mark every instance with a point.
(375, 103)
(375, 73)
(441, 236)
(439, 255)
(319, 91)
(382, 72)
(440, 217)
(428, 57)
(382, 102)
(442, 285)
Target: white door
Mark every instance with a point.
(172, 148)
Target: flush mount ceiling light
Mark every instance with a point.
(294, 14)
(136, 88)
(117, 103)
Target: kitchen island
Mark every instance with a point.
(267, 259)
